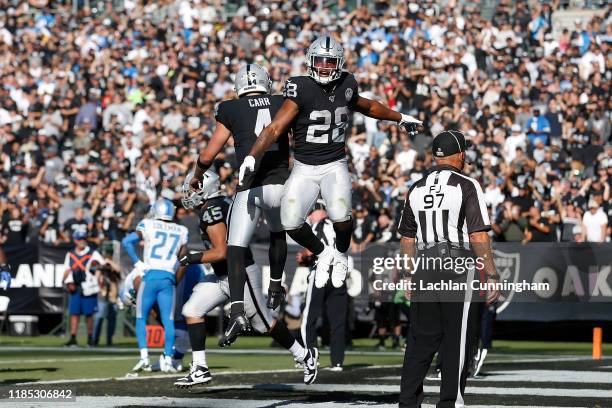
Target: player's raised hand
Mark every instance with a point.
(411, 124)
(248, 165)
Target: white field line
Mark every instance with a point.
(378, 388)
(493, 359)
(108, 402)
(533, 376)
(216, 374)
(57, 360)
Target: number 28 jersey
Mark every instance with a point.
(319, 128)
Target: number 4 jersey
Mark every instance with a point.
(162, 243)
(318, 130)
(246, 117)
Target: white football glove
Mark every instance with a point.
(410, 124)
(247, 165)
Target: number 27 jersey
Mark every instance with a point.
(162, 243)
(319, 128)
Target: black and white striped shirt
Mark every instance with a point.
(444, 205)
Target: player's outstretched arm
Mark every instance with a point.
(377, 110)
(206, 157)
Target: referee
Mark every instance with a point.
(444, 217)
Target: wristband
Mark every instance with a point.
(202, 166)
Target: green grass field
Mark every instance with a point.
(41, 360)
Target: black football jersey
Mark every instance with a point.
(246, 117)
(213, 212)
(319, 128)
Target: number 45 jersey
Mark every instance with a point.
(214, 211)
(319, 128)
(246, 117)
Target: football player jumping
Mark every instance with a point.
(207, 295)
(260, 192)
(317, 109)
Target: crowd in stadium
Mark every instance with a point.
(101, 113)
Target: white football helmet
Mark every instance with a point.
(325, 59)
(252, 78)
(163, 209)
(208, 188)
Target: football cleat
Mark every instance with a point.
(340, 269)
(480, 358)
(310, 364)
(276, 294)
(324, 261)
(337, 368)
(197, 375)
(142, 365)
(238, 325)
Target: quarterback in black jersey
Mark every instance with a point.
(207, 295)
(317, 109)
(261, 192)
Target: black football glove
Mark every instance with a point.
(191, 258)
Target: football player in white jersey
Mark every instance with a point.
(164, 244)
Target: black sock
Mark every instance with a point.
(236, 272)
(197, 336)
(73, 337)
(282, 335)
(344, 231)
(306, 238)
(277, 253)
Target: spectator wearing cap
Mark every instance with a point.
(81, 278)
(537, 127)
(595, 223)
